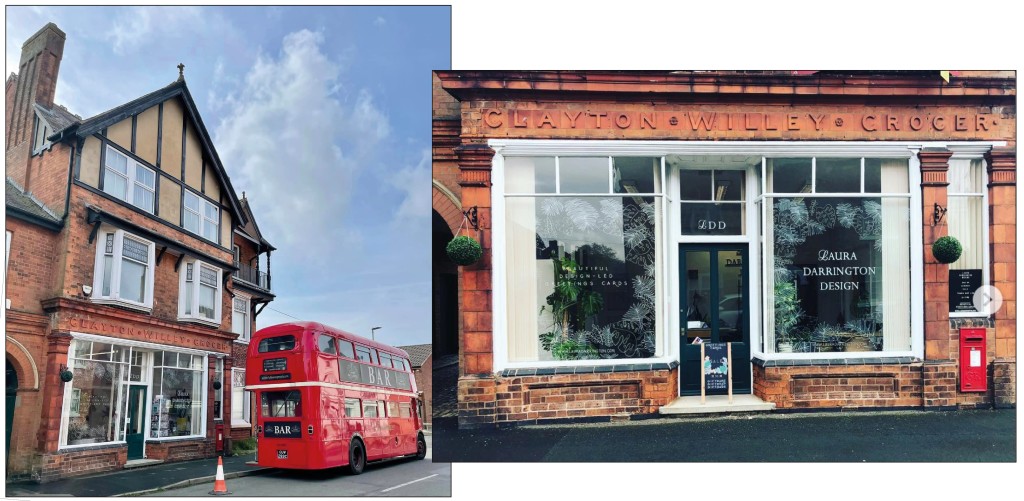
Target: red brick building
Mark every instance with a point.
(422, 361)
(629, 219)
(133, 280)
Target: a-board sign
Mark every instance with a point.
(716, 366)
(962, 284)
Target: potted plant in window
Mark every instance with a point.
(787, 315)
(570, 304)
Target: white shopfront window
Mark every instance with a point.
(836, 217)
(105, 370)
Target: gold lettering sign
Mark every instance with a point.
(156, 336)
(731, 123)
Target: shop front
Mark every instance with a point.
(632, 219)
(132, 388)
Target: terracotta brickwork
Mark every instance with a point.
(83, 462)
(49, 267)
(1004, 379)
(724, 106)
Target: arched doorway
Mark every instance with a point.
(445, 293)
(11, 380)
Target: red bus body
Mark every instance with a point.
(305, 398)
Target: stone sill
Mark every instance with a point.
(589, 369)
(825, 362)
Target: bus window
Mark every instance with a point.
(353, 407)
(393, 409)
(279, 343)
(345, 348)
(327, 344)
(373, 357)
(363, 354)
(405, 410)
(385, 360)
(380, 408)
(281, 404)
(369, 408)
(404, 364)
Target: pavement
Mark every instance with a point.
(140, 480)
(982, 435)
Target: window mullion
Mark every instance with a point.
(115, 273)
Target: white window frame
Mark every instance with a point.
(218, 369)
(970, 154)
(204, 222)
(246, 334)
(196, 286)
(551, 147)
(131, 180)
(115, 274)
(246, 400)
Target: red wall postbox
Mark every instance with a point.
(973, 363)
(220, 438)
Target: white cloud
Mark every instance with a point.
(291, 138)
(380, 21)
(414, 182)
(136, 26)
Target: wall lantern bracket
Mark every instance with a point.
(939, 213)
(473, 217)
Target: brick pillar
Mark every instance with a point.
(1002, 198)
(48, 436)
(476, 392)
(937, 344)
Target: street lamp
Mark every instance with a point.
(373, 333)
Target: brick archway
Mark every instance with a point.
(24, 365)
(445, 203)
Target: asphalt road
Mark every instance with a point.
(403, 478)
(902, 436)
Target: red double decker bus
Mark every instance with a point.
(328, 398)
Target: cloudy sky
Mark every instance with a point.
(321, 116)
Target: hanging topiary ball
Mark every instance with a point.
(216, 385)
(464, 250)
(66, 375)
(946, 249)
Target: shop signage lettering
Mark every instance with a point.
(704, 224)
(838, 271)
(591, 276)
(279, 429)
(707, 121)
(150, 335)
(367, 374)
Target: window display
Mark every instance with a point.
(177, 408)
(582, 268)
(839, 265)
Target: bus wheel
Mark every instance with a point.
(356, 457)
(421, 447)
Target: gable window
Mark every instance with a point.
(240, 318)
(201, 217)
(124, 269)
(129, 180)
(200, 292)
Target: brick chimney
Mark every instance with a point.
(36, 82)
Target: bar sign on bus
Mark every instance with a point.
(367, 374)
(275, 364)
(283, 430)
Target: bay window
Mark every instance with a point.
(837, 255)
(129, 180)
(583, 257)
(200, 297)
(123, 269)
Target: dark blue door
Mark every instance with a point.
(713, 306)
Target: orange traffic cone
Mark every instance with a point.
(220, 488)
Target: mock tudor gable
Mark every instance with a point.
(163, 136)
